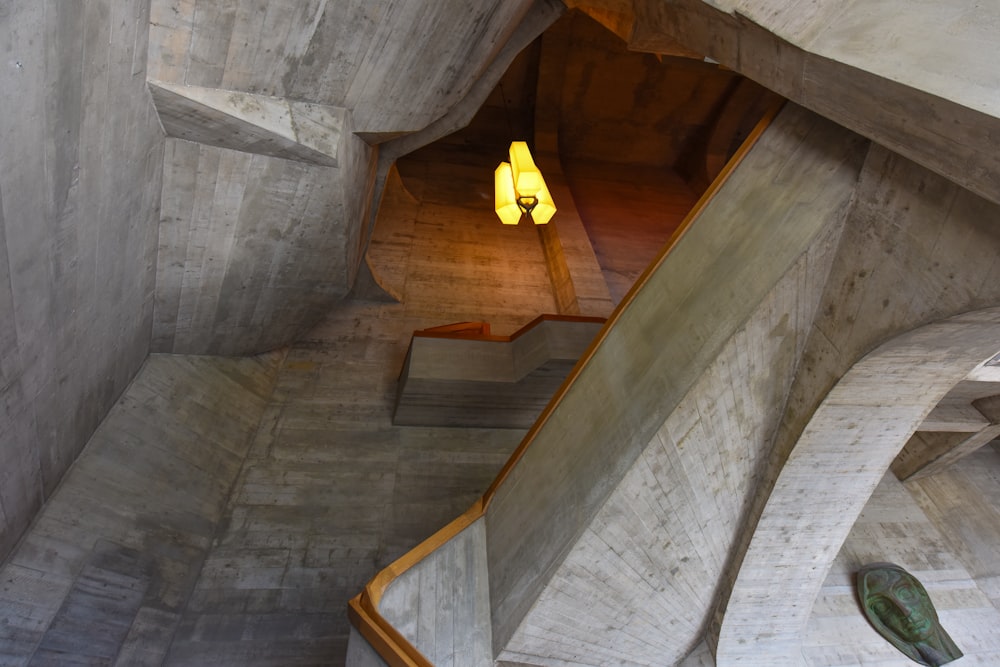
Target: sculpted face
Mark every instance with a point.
(901, 603)
(899, 608)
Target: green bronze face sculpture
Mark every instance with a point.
(900, 610)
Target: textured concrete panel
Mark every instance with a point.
(442, 604)
(964, 504)
(841, 456)
(79, 193)
(893, 528)
(332, 491)
(795, 182)
(397, 64)
(915, 249)
(251, 123)
(253, 249)
(650, 562)
(109, 564)
(937, 108)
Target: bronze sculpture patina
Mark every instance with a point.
(898, 607)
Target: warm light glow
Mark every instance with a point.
(527, 178)
(506, 198)
(520, 188)
(545, 208)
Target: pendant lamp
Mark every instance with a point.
(520, 188)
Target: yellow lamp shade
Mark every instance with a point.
(506, 198)
(527, 178)
(545, 208)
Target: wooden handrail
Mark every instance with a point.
(395, 649)
(672, 242)
(467, 330)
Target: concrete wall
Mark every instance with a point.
(914, 77)
(253, 249)
(626, 107)
(655, 352)
(651, 560)
(963, 502)
(916, 249)
(110, 562)
(79, 196)
(398, 65)
(332, 491)
(895, 527)
(442, 605)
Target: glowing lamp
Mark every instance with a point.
(520, 188)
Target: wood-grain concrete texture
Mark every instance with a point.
(332, 491)
(650, 563)
(251, 123)
(915, 249)
(844, 451)
(896, 526)
(671, 102)
(655, 352)
(915, 77)
(109, 564)
(253, 250)
(629, 214)
(894, 217)
(498, 383)
(79, 195)
(962, 502)
(398, 65)
(451, 626)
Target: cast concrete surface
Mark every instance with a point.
(200, 177)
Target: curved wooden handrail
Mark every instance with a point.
(395, 649)
(363, 608)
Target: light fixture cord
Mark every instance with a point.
(506, 112)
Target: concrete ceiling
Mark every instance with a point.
(278, 122)
(272, 115)
(261, 232)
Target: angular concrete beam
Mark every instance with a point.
(989, 407)
(250, 123)
(489, 381)
(960, 430)
(840, 458)
(875, 73)
(937, 460)
(954, 417)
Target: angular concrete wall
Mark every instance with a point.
(896, 526)
(111, 560)
(787, 195)
(254, 249)
(398, 65)
(651, 561)
(332, 491)
(79, 197)
(443, 604)
(839, 459)
(916, 77)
